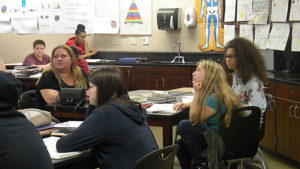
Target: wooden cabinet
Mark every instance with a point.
(288, 120)
(269, 139)
(161, 77)
(127, 73)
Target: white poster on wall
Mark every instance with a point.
(261, 35)
(260, 12)
(51, 17)
(278, 37)
(5, 27)
(107, 17)
(295, 12)
(279, 10)
(79, 12)
(24, 21)
(296, 37)
(244, 10)
(230, 10)
(246, 31)
(135, 17)
(229, 33)
(5, 10)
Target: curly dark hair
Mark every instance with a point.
(249, 60)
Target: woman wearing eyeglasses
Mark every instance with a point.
(246, 64)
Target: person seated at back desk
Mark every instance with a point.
(62, 73)
(38, 57)
(80, 62)
(80, 42)
(21, 145)
(115, 126)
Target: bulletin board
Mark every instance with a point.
(266, 23)
(63, 16)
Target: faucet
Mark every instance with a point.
(178, 58)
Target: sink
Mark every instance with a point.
(169, 62)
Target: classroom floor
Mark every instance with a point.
(273, 161)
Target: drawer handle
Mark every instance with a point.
(296, 117)
(290, 111)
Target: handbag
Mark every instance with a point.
(71, 96)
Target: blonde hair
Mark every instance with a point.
(80, 82)
(215, 81)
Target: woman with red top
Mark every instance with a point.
(80, 42)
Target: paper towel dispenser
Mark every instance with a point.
(169, 18)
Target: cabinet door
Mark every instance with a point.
(173, 82)
(127, 71)
(176, 77)
(285, 127)
(161, 77)
(287, 124)
(269, 139)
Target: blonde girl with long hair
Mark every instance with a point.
(63, 72)
(213, 98)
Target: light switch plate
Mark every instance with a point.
(145, 40)
(132, 41)
(114, 41)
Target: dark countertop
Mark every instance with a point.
(285, 77)
(280, 76)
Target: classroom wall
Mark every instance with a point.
(14, 47)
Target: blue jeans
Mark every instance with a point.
(191, 144)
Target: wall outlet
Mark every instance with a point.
(132, 41)
(145, 40)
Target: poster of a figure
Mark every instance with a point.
(209, 15)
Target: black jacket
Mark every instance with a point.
(20, 144)
(118, 136)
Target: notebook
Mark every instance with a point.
(50, 143)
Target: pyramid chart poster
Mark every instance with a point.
(135, 17)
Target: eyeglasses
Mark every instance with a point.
(229, 56)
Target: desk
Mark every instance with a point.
(86, 161)
(166, 121)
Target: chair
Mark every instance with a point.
(242, 136)
(259, 158)
(28, 99)
(155, 159)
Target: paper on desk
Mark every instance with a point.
(187, 99)
(50, 143)
(70, 125)
(161, 108)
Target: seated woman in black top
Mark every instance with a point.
(63, 72)
(115, 126)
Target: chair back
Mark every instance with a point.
(156, 159)
(28, 99)
(241, 137)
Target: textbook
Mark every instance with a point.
(50, 143)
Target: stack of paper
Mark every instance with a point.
(50, 143)
(161, 108)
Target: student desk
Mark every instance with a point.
(86, 161)
(166, 121)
